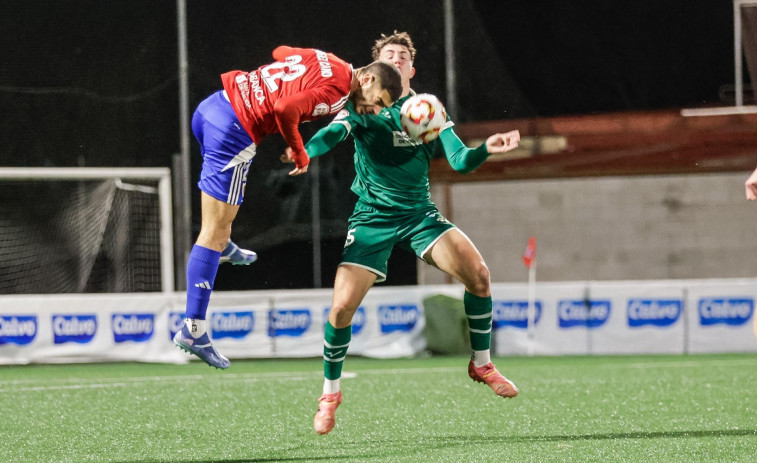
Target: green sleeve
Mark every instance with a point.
(460, 157)
(326, 139)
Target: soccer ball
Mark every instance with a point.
(422, 117)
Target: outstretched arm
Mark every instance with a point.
(321, 143)
(464, 159)
(326, 139)
(751, 186)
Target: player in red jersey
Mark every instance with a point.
(301, 85)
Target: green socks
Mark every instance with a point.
(335, 344)
(479, 312)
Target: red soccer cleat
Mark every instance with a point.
(489, 375)
(324, 420)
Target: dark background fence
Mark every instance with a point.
(94, 83)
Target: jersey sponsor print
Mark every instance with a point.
(134, 327)
(288, 322)
(573, 313)
(401, 140)
(514, 314)
(398, 318)
(78, 328)
(381, 146)
(653, 312)
(18, 329)
(725, 311)
(234, 325)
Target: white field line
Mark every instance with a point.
(693, 363)
(28, 385)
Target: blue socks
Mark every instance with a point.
(201, 274)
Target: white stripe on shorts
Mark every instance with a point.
(238, 180)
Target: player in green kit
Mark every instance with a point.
(394, 207)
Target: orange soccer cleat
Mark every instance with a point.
(324, 420)
(489, 375)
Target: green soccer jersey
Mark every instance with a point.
(391, 168)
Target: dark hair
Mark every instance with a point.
(390, 77)
(399, 38)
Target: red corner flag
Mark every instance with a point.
(530, 253)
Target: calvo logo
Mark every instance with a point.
(653, 312)
(583, 313)
(175, 322)
(78, 328)
(17, 329)
(135, 327)
(288, 322)
(398, 318)
(725, 311)
(358, 319)
(234, 325)
(513, 313)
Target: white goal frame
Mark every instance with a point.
(738, 84)
(161, 174)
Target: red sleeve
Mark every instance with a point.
(288, 112)
(281, 52)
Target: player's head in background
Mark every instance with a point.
(377, 85)
(398, 49)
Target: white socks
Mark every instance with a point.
(481, 357)
(196, 326)
(330, 386)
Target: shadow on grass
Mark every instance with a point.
(244, 460)
(427, 442)
(637, 435)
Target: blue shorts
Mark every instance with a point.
(227, 150)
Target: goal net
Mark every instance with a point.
(85, 230)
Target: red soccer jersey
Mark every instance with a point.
(303, 84)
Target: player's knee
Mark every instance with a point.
(341, 316)
(214, 237)
(480, 280)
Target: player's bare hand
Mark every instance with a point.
(751, 186)
(502, 142)
(286, 158)
(298, 171)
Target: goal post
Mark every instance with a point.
(84, 197)
(739, 107)
(738, 43)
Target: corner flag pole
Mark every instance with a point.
(531, 306)
(529, 260)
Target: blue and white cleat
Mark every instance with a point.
(201, 347)
(235, 255)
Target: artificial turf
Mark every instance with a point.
(603, 408)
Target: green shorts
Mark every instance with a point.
(372, 234)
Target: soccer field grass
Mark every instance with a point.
(627, 408)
